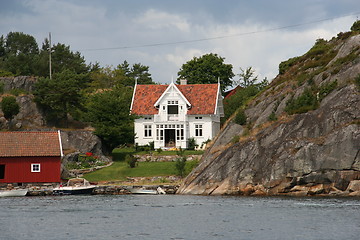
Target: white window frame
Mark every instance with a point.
(147, 131)
(198, 130)
(35, 167)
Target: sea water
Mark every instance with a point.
(178, 217)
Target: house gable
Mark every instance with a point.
(172, 92)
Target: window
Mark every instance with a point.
(147, 131)
(173, 109)
(35, 167)
(198, 130)
(198, 117)
(2, 171)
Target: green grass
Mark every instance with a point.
(120, 153)
(118, 171)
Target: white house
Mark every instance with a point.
(171, 114)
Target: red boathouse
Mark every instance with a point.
(30, 157)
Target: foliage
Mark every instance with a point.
(10, 107)
(232, 103)
(61, 95)
(246, 77)
(84, 161)
(180, 166)
(325, 89)
(108, 112)
(2, 85)
(191, 144)
(104, 78)
(285, 65)
(208, 68)
(240, 117)
(305, 102)
(272, 116)
(18, 52)
(20, 55)
(235, 139)
(131, 160)
(357, 81)
(137, 72)
(355, 26)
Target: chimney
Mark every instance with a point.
(183, 81)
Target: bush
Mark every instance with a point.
(180, 166)
(305, 102)
(2, 87)
(10, 107)
(325, 89)
(357, 81)
(355, 26)
(131, 160)
(272, 117)
(285, 65)
(191, 144)
(240, 117)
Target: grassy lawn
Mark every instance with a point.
(119, 170)
(120, 153)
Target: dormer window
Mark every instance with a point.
(173, 109)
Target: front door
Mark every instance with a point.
(170, 138)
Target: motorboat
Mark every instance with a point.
(144, 190)
(13, 192)
(74, 186)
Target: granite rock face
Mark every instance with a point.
(25, 83)
(317, 152)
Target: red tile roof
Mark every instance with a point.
(21, 144)
(202, 98)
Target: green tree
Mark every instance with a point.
(355, 26)
(18, 53)
(62, 58)
(246, 77)
(137, 72)
(108, 112)
(9, 107)
(208, 68)
(61, 95)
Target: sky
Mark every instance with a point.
(165, 34)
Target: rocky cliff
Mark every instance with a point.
(309, 153)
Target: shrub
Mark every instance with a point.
(131, 160)
(2, 87)
(240, 117)
(10, 107)
(305, 102)
(355, 26)
(191, 144)
(285, 65)
(325, 89)
(272, 116)
(180, 166)
(357, 81)
(235, 139)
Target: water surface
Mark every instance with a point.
(178, 217)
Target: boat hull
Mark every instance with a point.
(73, 190)
(13, 193)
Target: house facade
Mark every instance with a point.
(169, 115)
(30, 157)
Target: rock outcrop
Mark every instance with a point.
(79, 142)
(25, 83)
(313, 153)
